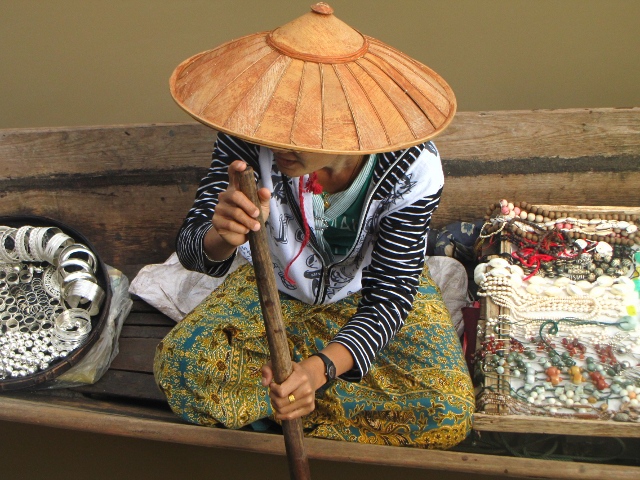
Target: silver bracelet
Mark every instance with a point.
(22, 243)
(8, 256)
(80, 252)
(56, 243)
(210, 260)
(71, 265)
(83, 294)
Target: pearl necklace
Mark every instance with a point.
(542, 298)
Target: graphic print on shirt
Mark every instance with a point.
(400, 189)
(314, 273)
(278, 188)
(280, 273)
(362, 244)
(338, 279)
(431, 147)
(281, 235)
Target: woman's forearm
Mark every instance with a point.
(216, 248)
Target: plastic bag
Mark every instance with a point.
(98, 359)
(173, 289)
(451, 277)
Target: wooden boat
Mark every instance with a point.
(127, 188)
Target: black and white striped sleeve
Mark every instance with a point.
(190, 239)
(389, 284)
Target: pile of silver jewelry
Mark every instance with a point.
(48, 294)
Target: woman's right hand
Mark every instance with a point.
(235, 215)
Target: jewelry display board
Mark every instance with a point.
(54, 299)
(559, 333)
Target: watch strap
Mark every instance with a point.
(329, 367)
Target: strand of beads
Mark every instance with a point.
(615, 228)
(539, 297)
(540, 246)
(560, 375)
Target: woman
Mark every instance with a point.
(376, 358)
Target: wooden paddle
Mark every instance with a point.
(274, 326)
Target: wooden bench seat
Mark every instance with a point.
(127, 188)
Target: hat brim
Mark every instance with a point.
(383, 100)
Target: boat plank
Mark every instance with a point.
(57, 416)
(484, 422)
(136, 354)
(141, 331)
(138, 386)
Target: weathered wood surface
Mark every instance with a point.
(124, 423)
(557, 426)
(128, 187)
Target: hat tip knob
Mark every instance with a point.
(322, 8)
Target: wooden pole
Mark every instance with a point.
(274, 326)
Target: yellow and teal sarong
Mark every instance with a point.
(417, 393)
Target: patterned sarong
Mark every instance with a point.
(417, 393)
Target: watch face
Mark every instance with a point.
(331, 372)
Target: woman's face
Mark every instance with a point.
(296, 164)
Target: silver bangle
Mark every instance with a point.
(54, 245)
(73, 322)
(83, 292)
(8, 256)
(80, 252)
(70, 266)
(79, 275)
(22, 243)
(210, 260)
(40, 240)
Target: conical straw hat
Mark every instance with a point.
(315, 85)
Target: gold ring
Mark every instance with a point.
(291, 398)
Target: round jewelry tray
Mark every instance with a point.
(62, 364)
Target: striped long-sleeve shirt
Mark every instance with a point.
(384, 263)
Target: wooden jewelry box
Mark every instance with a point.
(559, 334)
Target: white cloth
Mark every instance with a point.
(173, 289)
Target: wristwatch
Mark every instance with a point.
(329, 367)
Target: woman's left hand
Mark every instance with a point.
(295, 397)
